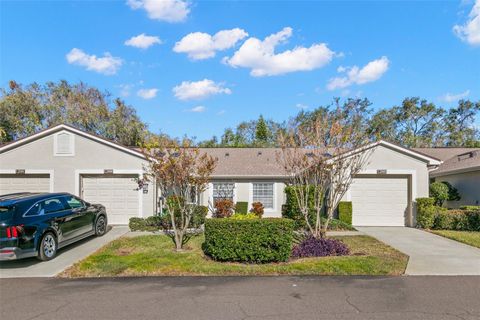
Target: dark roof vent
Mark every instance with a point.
(259, 153)
(468, 155)
(227, 154)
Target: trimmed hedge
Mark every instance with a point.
(425, 212)
(430, 216)
(241, 207)
(254, 240)
(457, 220)
(291, 210)
(163, 221)
(345, 212)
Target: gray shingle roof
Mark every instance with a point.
(454, 159)
(246, 161)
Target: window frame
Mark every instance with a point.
(274, 208)
(211, 188)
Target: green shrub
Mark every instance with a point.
(291, 210)
(337, 225)
(148, 224)
(247, 216)
(425, 212)
(241, 207)
(254, 240)
(439, 191)
(199, 215)
(163, 220)
(345, 212)
(457, 220)
(453, 194)
(470, 208)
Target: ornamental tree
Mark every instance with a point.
(321, 158)
(181, 172)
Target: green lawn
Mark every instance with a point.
(152, 255)
(469, 237)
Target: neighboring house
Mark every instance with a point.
(461, 168)
(66, 159)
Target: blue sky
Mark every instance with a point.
(381, 50)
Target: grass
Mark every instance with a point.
(152, 255)
(469, 237)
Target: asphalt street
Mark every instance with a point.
(242, 298)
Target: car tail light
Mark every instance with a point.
(13, 232)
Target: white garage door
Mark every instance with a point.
(379, 201)
(12, 183)
(118, 193)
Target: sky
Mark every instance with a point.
(196, 67)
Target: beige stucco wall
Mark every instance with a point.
(89, 155)
(467, 184)
(243, 193)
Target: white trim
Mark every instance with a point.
(55, 144)
(250, 195)
(74, 130)
(80, 172)
(430, 160)
(33, 171)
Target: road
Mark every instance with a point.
(193, 298)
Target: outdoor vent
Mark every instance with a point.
(64, 144)
(259, 153)
(467, 155)
(227, 154)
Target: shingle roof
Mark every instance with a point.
(443, 153)
(462, 162)
(246, 161)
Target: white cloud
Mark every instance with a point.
(191, 90)
(199, 45)
(261, 58)
(470, 31)
(163, 10)
(106, 65)
(221, 113)
(143, 41)
(147, 93)
(452, 97)
(373, 71)
(301, 106)
(198, 109)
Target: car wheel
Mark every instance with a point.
(48, 247)
(100, 226)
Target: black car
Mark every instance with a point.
(38, 224)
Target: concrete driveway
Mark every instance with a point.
(66, 257)
(429, 254)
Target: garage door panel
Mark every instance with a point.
(11, 183)
(379, 201)
(118, 193)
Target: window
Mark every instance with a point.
(45, 207)
(64, 144)
(263, 192)
(74, 202)
(223, 190)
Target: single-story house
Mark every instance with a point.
(461, 168)
(63, 158)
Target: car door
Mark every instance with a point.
(82, 215)
(55, 212)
